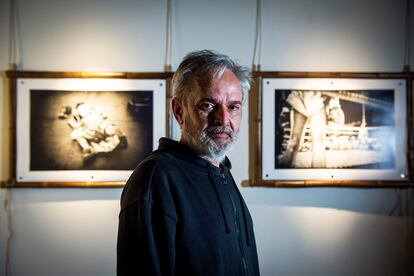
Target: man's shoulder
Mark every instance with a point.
(150, 176)
(157, 161)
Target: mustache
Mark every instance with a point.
(218, 129)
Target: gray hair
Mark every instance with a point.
(201, 66)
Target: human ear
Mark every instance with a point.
(177, 109)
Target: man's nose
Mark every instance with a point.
(221, 116)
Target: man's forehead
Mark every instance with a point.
(215, 85)
(229, 92)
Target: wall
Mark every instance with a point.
(314, 231)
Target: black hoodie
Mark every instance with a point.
(180, 215)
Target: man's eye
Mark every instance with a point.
(206, 106)
(234, 107)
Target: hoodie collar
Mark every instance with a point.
(184, 152)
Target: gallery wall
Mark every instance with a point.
(300, 231)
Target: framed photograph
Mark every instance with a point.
(85, 130)
(333, 131)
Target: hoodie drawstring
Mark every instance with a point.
(243, 207)
(214, 183)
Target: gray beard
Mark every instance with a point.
(204, 145)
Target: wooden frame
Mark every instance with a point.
(84, 85)
(339, 176)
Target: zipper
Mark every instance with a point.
(237, 226)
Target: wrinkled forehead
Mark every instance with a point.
(208, 79)
(217, 85)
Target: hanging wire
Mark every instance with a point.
(14, 45)
(13, 64)
(12, 35)
(257, 37)
(410, 198)
(407, 227)
(397, 204)
(407, 37)
(7, 209)
(168, 38)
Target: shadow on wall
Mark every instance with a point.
(370, 201)
(381, 201)
(49, 195)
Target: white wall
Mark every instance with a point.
(314, 231)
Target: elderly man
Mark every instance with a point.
(181, 211)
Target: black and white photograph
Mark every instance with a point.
(334, 129)
(85, 130)
(96, 131)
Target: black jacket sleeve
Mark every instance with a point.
(147, 224)
(146, 239)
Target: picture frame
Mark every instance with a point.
(86, 130)
(329, 129)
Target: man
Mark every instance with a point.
(181, 211)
